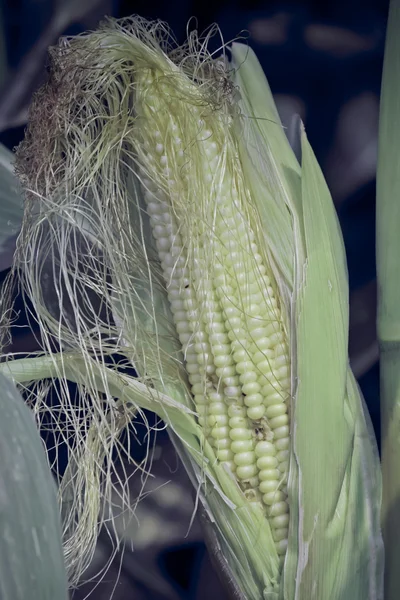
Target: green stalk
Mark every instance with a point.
(388, 253)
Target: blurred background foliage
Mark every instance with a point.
(324, 61)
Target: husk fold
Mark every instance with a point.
(98, 293)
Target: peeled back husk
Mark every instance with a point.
(335, 546)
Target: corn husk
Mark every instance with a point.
(334, 482)
(32, 562)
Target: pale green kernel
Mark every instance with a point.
(246, 378)
(215, 328)
(255, 413)
(244, 458)
(278, 422)
(259, 356)
(200, 399)
(239, 433)
(220, 284)
(244, 366)
(196, 378)
(202, 359)
(280, 534)
(283, 455)
(232, 381)
(185, 337)
(202, 347)
(281, 360)
(253, 310)
(251, 388)
(223, 361)
(200, 336)
(271, 329)
(267, 462)
(281, 432)
(265, 367)
(262, 345)
(271, 398)
(225, 372)
(282, 444)
(177, 305)
(223, 444)
(283, 372)
(179, 315)
(267, 486)
(236, 333)
(279, 508)
(285, 383)
(217, 420)
(211, 306)
(183, 327)
(253, 400)
(237, 410)
(239, 345)
(283, 466)
(246, 471)
(187, 293)
(272, 498)
(254, 322)
(276, 338)
(231, 312)
(219, 349)
(265, 448)
(258, 333)
(256, 295)
(269, 474)
(281, 521)
(215, 397)
(239, 274)
(191, 357)
(237, 421)
(224, 455)
(276, 410)
(240, 355)
(242, 446)
(234, 323)
(218, 433)
(232, 391)
(281, 547)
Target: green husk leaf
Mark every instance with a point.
(31, 557)
(11, 207)
(339, 487)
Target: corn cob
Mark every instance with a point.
(223, 301)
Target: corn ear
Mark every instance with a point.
(174, 175)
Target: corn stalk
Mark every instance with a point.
(387, 254)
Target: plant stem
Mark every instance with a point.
(388, 272)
